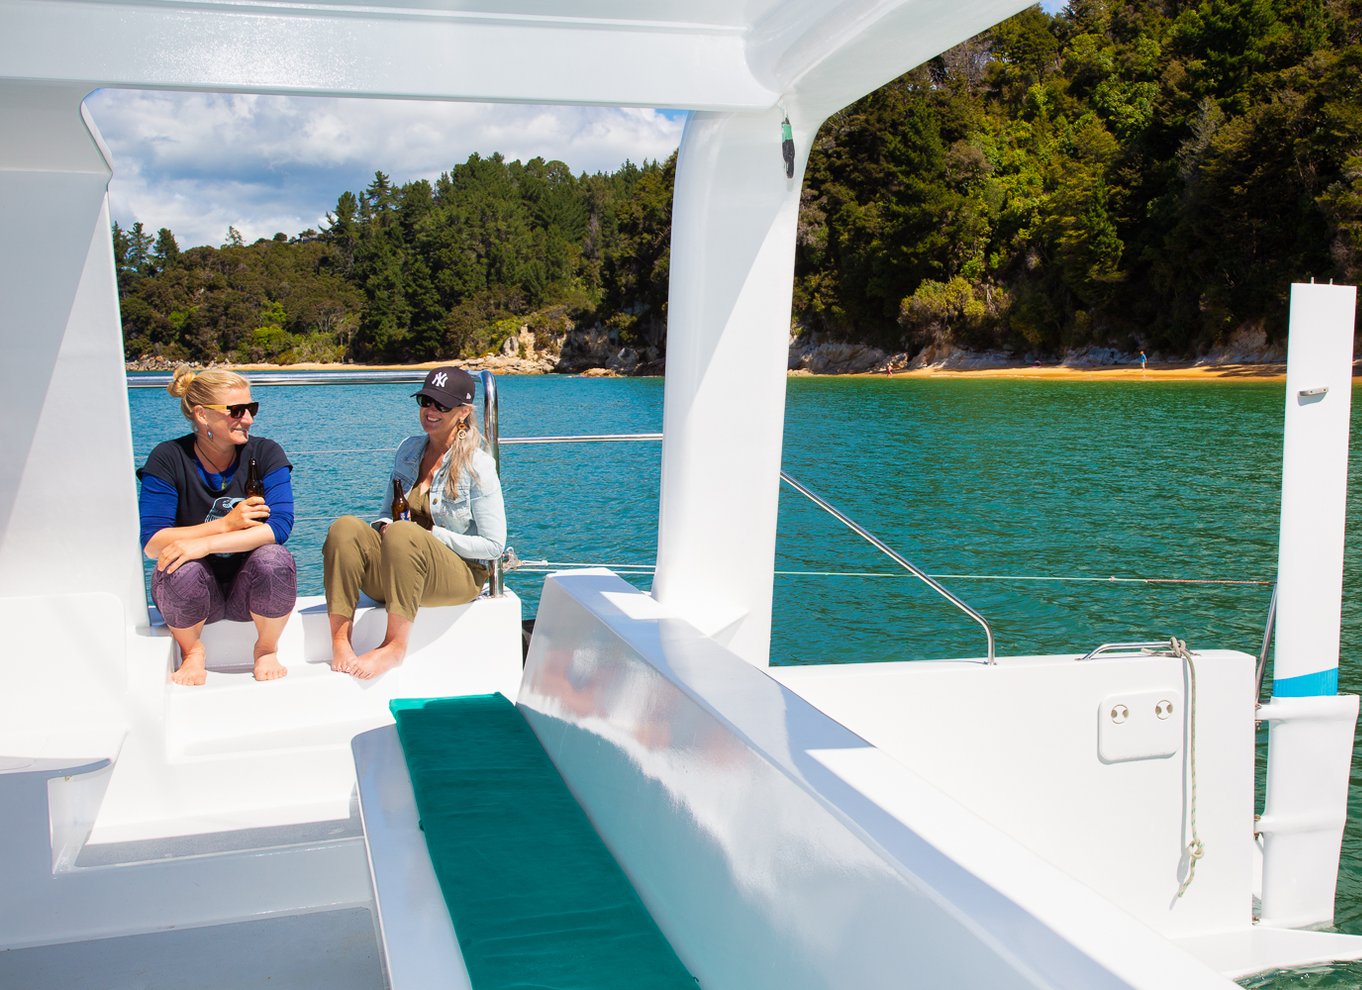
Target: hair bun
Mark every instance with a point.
(181, 380)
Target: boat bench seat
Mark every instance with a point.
(534, 898)
(454, 649)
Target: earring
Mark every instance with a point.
(210, 434)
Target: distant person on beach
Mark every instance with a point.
(441, 554)
(219, 550)
(1143, 360)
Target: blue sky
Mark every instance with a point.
(199, 163)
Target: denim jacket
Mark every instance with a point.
(473, 523)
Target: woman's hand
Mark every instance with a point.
(177, 552)
(247, 513)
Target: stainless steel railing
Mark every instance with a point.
(258, 378)
(491, 430)
(1267, 642)
(893, 555)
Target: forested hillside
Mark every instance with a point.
(1148, 174)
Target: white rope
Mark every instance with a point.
(1195, 849)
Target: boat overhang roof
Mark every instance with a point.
(677, 54)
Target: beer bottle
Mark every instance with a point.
(254, 486)
(400, 508)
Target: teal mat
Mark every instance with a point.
(536, 899)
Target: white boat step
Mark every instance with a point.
(250, 788)
(332, 736)
(309, 706)
(313, 705)
(235, 752)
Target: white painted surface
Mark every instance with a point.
(331, 949)
(95, 749)
(667, 53)
(1020, 745)
(419, 947)
(40, 905)
(1309, 756)
(1257, 950)
(62, 379)
(1140, 725)
(1314, 480)
(776, 848)
(727, 349)
(237, 753)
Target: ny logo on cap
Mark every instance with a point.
(439, 380)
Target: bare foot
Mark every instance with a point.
(379, 660)
(193, 668)
(268, 667)
(342, 657)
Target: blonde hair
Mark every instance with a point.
(201, 388)
(459, 456)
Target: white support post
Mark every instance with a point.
(68, 499)
(1310, 741)
(732, 267)
(1314, 490)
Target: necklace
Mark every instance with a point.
(207, 461)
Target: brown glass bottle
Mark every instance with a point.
(400, 508)
(255, 488)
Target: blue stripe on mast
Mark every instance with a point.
(1321, 682)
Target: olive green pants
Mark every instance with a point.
(405, 568)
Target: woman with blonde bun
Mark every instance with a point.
(219, 550)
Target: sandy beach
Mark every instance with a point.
(1058, 372)
(1191, 373)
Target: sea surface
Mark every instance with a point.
(1069, 513)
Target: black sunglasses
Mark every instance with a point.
(236, 410)
(425, 400)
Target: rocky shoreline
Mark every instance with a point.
(600, 353)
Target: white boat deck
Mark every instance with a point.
(336, 950)
(127, 796)
(217, 764)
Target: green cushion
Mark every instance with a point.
(536, 899)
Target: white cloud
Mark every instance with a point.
(199, 163)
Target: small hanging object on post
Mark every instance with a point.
(787, 146)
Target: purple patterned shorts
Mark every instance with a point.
(266, 585)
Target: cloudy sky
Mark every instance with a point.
(199, 163)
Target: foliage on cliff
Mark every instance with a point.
(1148, 174)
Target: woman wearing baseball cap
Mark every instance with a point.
(439, 556)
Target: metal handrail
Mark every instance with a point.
(1141, 648)
(491, 430)
(585, 438)
(258, 378)
(893, 555)
(1267, 642)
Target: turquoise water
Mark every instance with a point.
(1020, 479)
